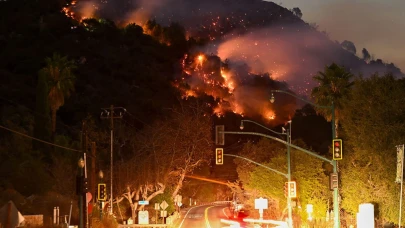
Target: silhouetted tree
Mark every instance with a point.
(334, 86)
(297, 12)
(349, 46)
(366, 55)
(59, 72)
(42, 125)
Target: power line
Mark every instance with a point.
(40, 140)
(126, 111)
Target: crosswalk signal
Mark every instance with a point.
(219, 135)
(337, 149)
(101, 194)
(292, 189)
(219, 156)
(333, 181)
(286, 189)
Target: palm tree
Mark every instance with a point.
(334, 86)
(59, 73)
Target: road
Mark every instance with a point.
(205, 216)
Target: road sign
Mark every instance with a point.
(179, 204)
(143, 202)
(261, 203)
(164, 205)
(143, 217)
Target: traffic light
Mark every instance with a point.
(101, 194)
(337, 149)
(292, 189)
(333, 181)
(220, 135)
(82, 185)
(219, 156)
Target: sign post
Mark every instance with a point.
(261, 204)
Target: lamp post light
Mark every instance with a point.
(288, 134)
(334, 162)
(80, 192)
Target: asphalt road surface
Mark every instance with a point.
(205, 216)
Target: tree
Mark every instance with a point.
(163, 153)
(297, 12)
(311, 180)
(373, 126)
(59, 72)
(42, 125)
(334, 86)
(366, 55)
(349, 46)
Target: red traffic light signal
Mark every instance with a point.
(337, 149)
(101, 194)
(219, 156)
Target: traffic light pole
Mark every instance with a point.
(335, 170)
(289, 206)
(333, 162)
(81, 200)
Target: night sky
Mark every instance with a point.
(377, 25)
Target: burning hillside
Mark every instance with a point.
(234, 88)
(254, 46)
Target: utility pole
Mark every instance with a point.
(112, 113)
(93, 171)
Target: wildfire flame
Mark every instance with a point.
(207, 75)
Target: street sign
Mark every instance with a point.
(261, 203)
(164, 205)
(143, 217)
(143, 202)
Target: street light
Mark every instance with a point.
(287, 133)
(334, 162)
(80, 163)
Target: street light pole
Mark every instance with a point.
(334, 162)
